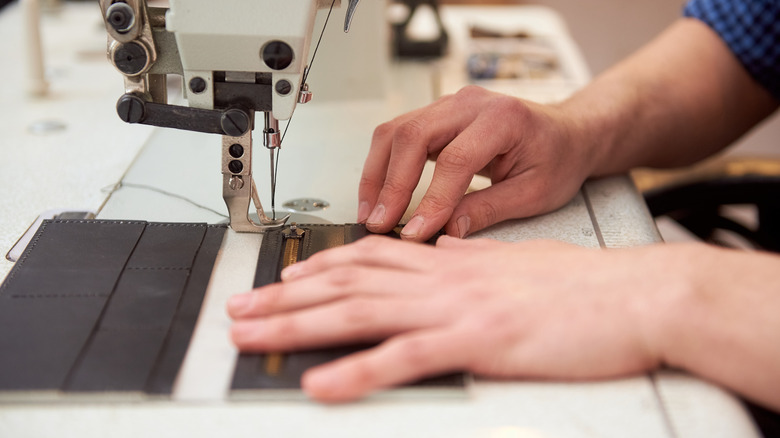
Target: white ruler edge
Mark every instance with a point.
(207, 370)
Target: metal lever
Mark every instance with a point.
(350, 12)
(238, 187)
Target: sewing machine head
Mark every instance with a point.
(236, 57)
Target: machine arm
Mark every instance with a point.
(235, 57)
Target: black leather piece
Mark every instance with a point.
(167, 246)
(53, 296)
(117, 360)
(64, 248)
(144, 300)
(131, 332)
(250, 372)
(40, 339)
(353, 232)
(104, 305)
(321, 237)
(271, 259)
(178, 340)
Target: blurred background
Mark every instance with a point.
(609, 30)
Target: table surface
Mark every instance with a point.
(174, 176)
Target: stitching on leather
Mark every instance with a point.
(18, 266)
(306, 252)
(181, 225)
(34, 242)
(158, 268)
(93, 221)
(60, 296)
(131, 329)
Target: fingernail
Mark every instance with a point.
(237, 303)
(413, 228)
(363, 211)
(377, 216)
(464, 222)
(292, 271)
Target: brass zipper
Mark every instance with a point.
(292, 243)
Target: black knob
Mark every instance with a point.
(236, 150)
(130, 58)
(277, 55)
(283, 87)
(130, 108)
(235, 166)
(121, 17)
(197, 84)
(235, 122)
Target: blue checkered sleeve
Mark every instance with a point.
(751, 29)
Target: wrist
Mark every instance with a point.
(668, 311)
(593, 133)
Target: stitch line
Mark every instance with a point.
(132, 329)
(158, 268)
(182, 225)
(18, 266)
(60, 296)
(34, 242)
(93, 221)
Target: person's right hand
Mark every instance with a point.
(534, 155)
(509, 310)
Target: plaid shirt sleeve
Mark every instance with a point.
(751, 29)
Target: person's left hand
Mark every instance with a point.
(537, 309)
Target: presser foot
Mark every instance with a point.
(245, 224)
(238, 196)
(272, 223)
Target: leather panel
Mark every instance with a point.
(96, 306)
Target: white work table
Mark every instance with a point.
(174, 176)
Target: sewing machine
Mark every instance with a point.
(231, 67)
(323, 160)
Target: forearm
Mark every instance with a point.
(681, 98)
(725, 324)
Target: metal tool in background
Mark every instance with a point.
(405, 46)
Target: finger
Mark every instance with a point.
(375, 168)
(377, 161)
(517, 197)
(378, 251)
(350, 321)
(325, 287)
(448, 242)
(413, 140)
(402, 359)
(457, 164)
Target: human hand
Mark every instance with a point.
(534, 310)
(533, 154)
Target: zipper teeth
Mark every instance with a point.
(290, 251)
(273, 360)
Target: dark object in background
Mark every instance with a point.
(768, 422)
(701, 198)
(404, 47)
(4, 2)
(697, 206)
